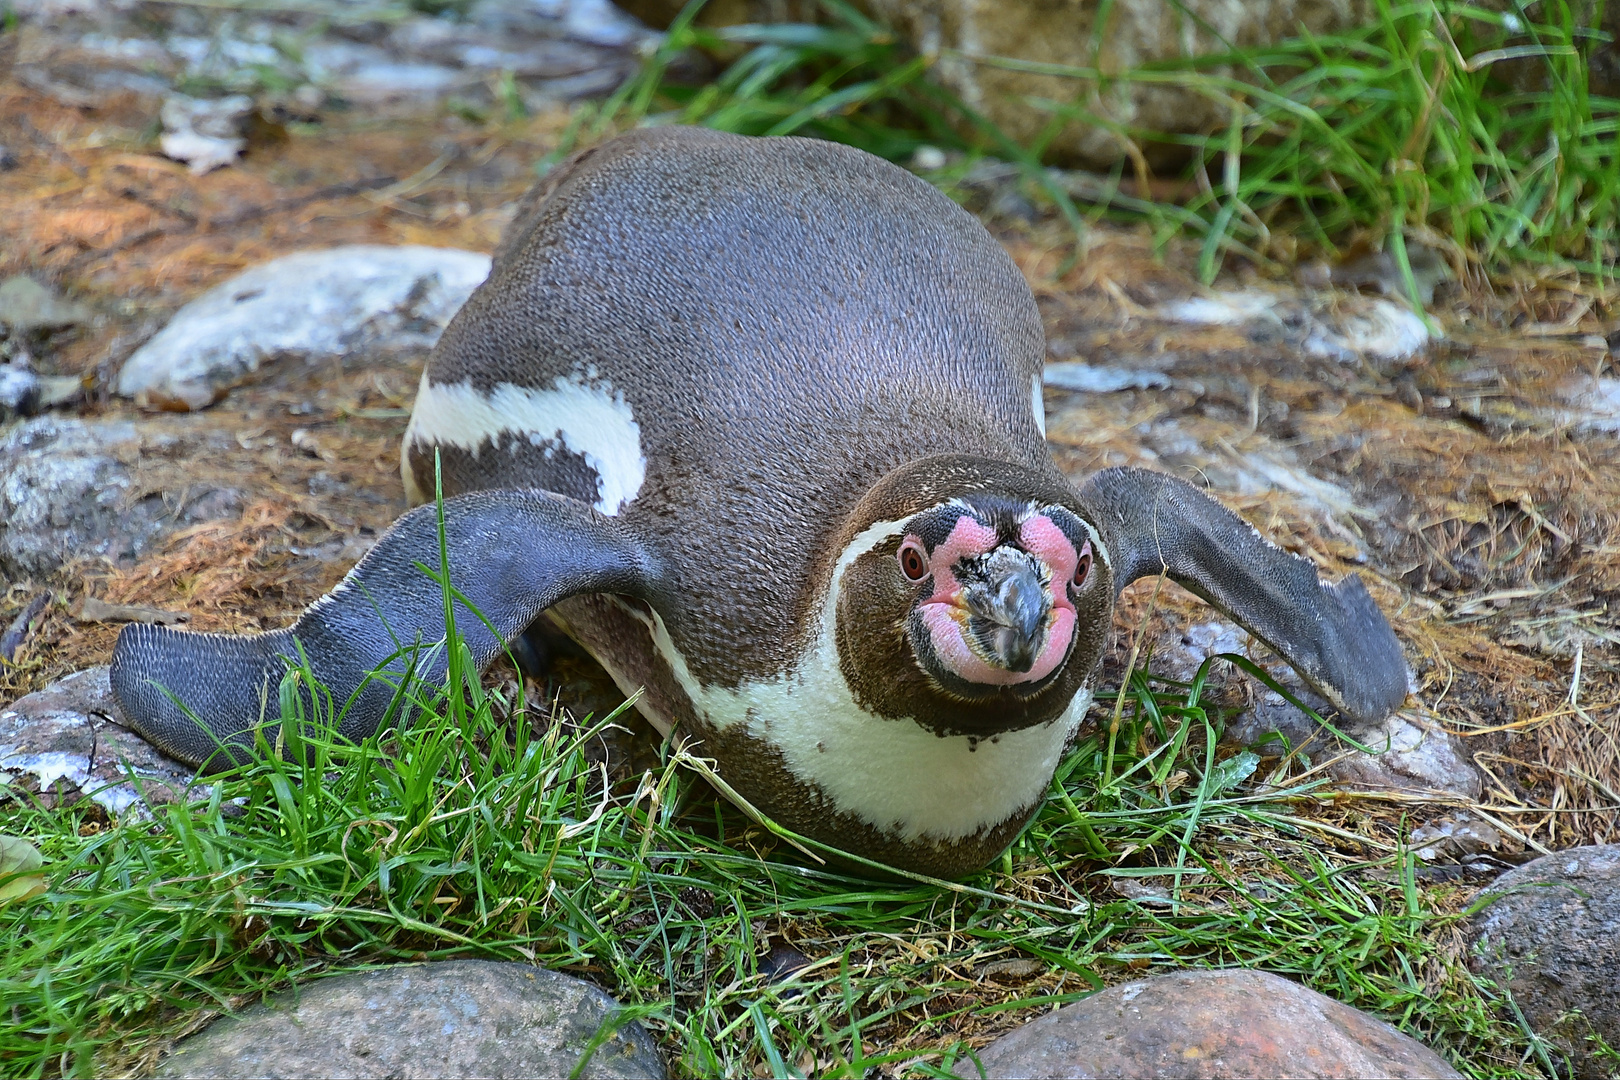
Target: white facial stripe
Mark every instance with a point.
(1040, 405)
(589, 420)
(893, 774)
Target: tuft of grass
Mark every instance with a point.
(485, 829)
(1469, 127)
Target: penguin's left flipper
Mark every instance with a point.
(1333, 635)
(512, 554)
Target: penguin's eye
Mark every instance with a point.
(912, 563)
(1082, 569)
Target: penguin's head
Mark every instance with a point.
(980, 607)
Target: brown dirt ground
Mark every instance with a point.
(1491, 532)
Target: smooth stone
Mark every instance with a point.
(1551, 937)
(26, 305)
(19, 391)
(451, 1019)
(67, 490)
(204, 134)
(1414, 756)
(1460, 837)
(1346, 328)
(1594, 404)
(1197, 1024)
(72, 731)
(1086, 378)
(25, 393)
(313, 305)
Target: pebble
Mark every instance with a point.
(68, 742)
(27, 306)
(1092, 379)
(204, 134)
(1594, 404)
(19, 391)
(1195, 1024)
(1345, 328)
(1413, 755)
(451, 1019)
(1551, 937)
(312, 305)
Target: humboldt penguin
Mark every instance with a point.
(758, 422)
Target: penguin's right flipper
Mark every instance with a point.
(1333, 635)
(511, 554)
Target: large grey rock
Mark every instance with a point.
(458, 1018)
(313, 305)
(1191, 1024)
(68, 741)
(68, 489)
(1552, 939)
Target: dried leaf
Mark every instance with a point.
(18, 856)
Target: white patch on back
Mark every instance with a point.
(590, 420)
(1039, 403)
(894, 774)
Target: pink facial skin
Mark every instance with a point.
(946, 616)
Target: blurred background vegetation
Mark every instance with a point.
(1484, 131)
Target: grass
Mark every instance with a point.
(1466, 127)
(486, 830)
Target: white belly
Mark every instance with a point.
(896, 775)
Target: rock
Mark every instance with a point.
(83, 52)
(204, 134)
(27, 306)
(1414, 756)
(457, 1018)
(1551, 937)
(1092, 379)
(19, 391)
(1459, 837)
(67, 490)
(1594, 404)
(313, 305)
(24, 393)
(1232, 1023)
(67, 742)
(1339, 326)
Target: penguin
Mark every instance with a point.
(758, 423)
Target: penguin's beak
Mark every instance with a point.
(1007, 605)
